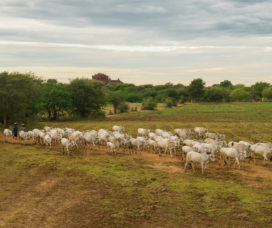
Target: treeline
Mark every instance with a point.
(25, 96)
(196, 91)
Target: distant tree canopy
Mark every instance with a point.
(23, 96)
(226, 84)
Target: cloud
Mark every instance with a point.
(145, 19)
(203, 38)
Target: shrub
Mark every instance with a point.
(267, 94)
(149, 104)
(240, 94)
(170, 102)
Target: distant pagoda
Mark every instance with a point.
(105, 79)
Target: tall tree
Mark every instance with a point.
(196, 89)
(56, 98)
(88, 97)
(116, 99)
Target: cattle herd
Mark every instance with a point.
(197, 146)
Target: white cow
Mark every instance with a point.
(200, 131)
(118, 129)
(263, 149)
(48, 140)
(195, 157)
(66, 143)
(143, 132)
(7, 133)
(229, 153)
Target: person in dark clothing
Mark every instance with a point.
(15, 130)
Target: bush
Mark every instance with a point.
(240, 94)
(149, 104)
(267, 94)
(216, 94)
(170, 102)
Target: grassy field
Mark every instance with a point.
(239, 121)
(43, 188)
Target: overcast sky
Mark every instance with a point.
(139, 41)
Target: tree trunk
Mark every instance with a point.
(115, 108)
(55, 115)
(49, 114)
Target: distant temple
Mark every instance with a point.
(106, 79)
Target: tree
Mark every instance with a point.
(19, 96)
(56, 98)
(257, 90)
(116, 99)
(217, 94)
(226, 84)
(88, 97)
(240, 94)
(267, 94)
(196, 89)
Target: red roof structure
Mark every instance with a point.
(106, 79)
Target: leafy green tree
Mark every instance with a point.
(56, 98)
(240, 94)
(196, 89)
(19, 96)
(267, 94)
(88, 97)
(116, 99)
(257, 90)
(217, 94)
(226, 84)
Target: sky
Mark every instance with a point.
(139, 41)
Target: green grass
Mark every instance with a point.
(44, 188)
(239, 121)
